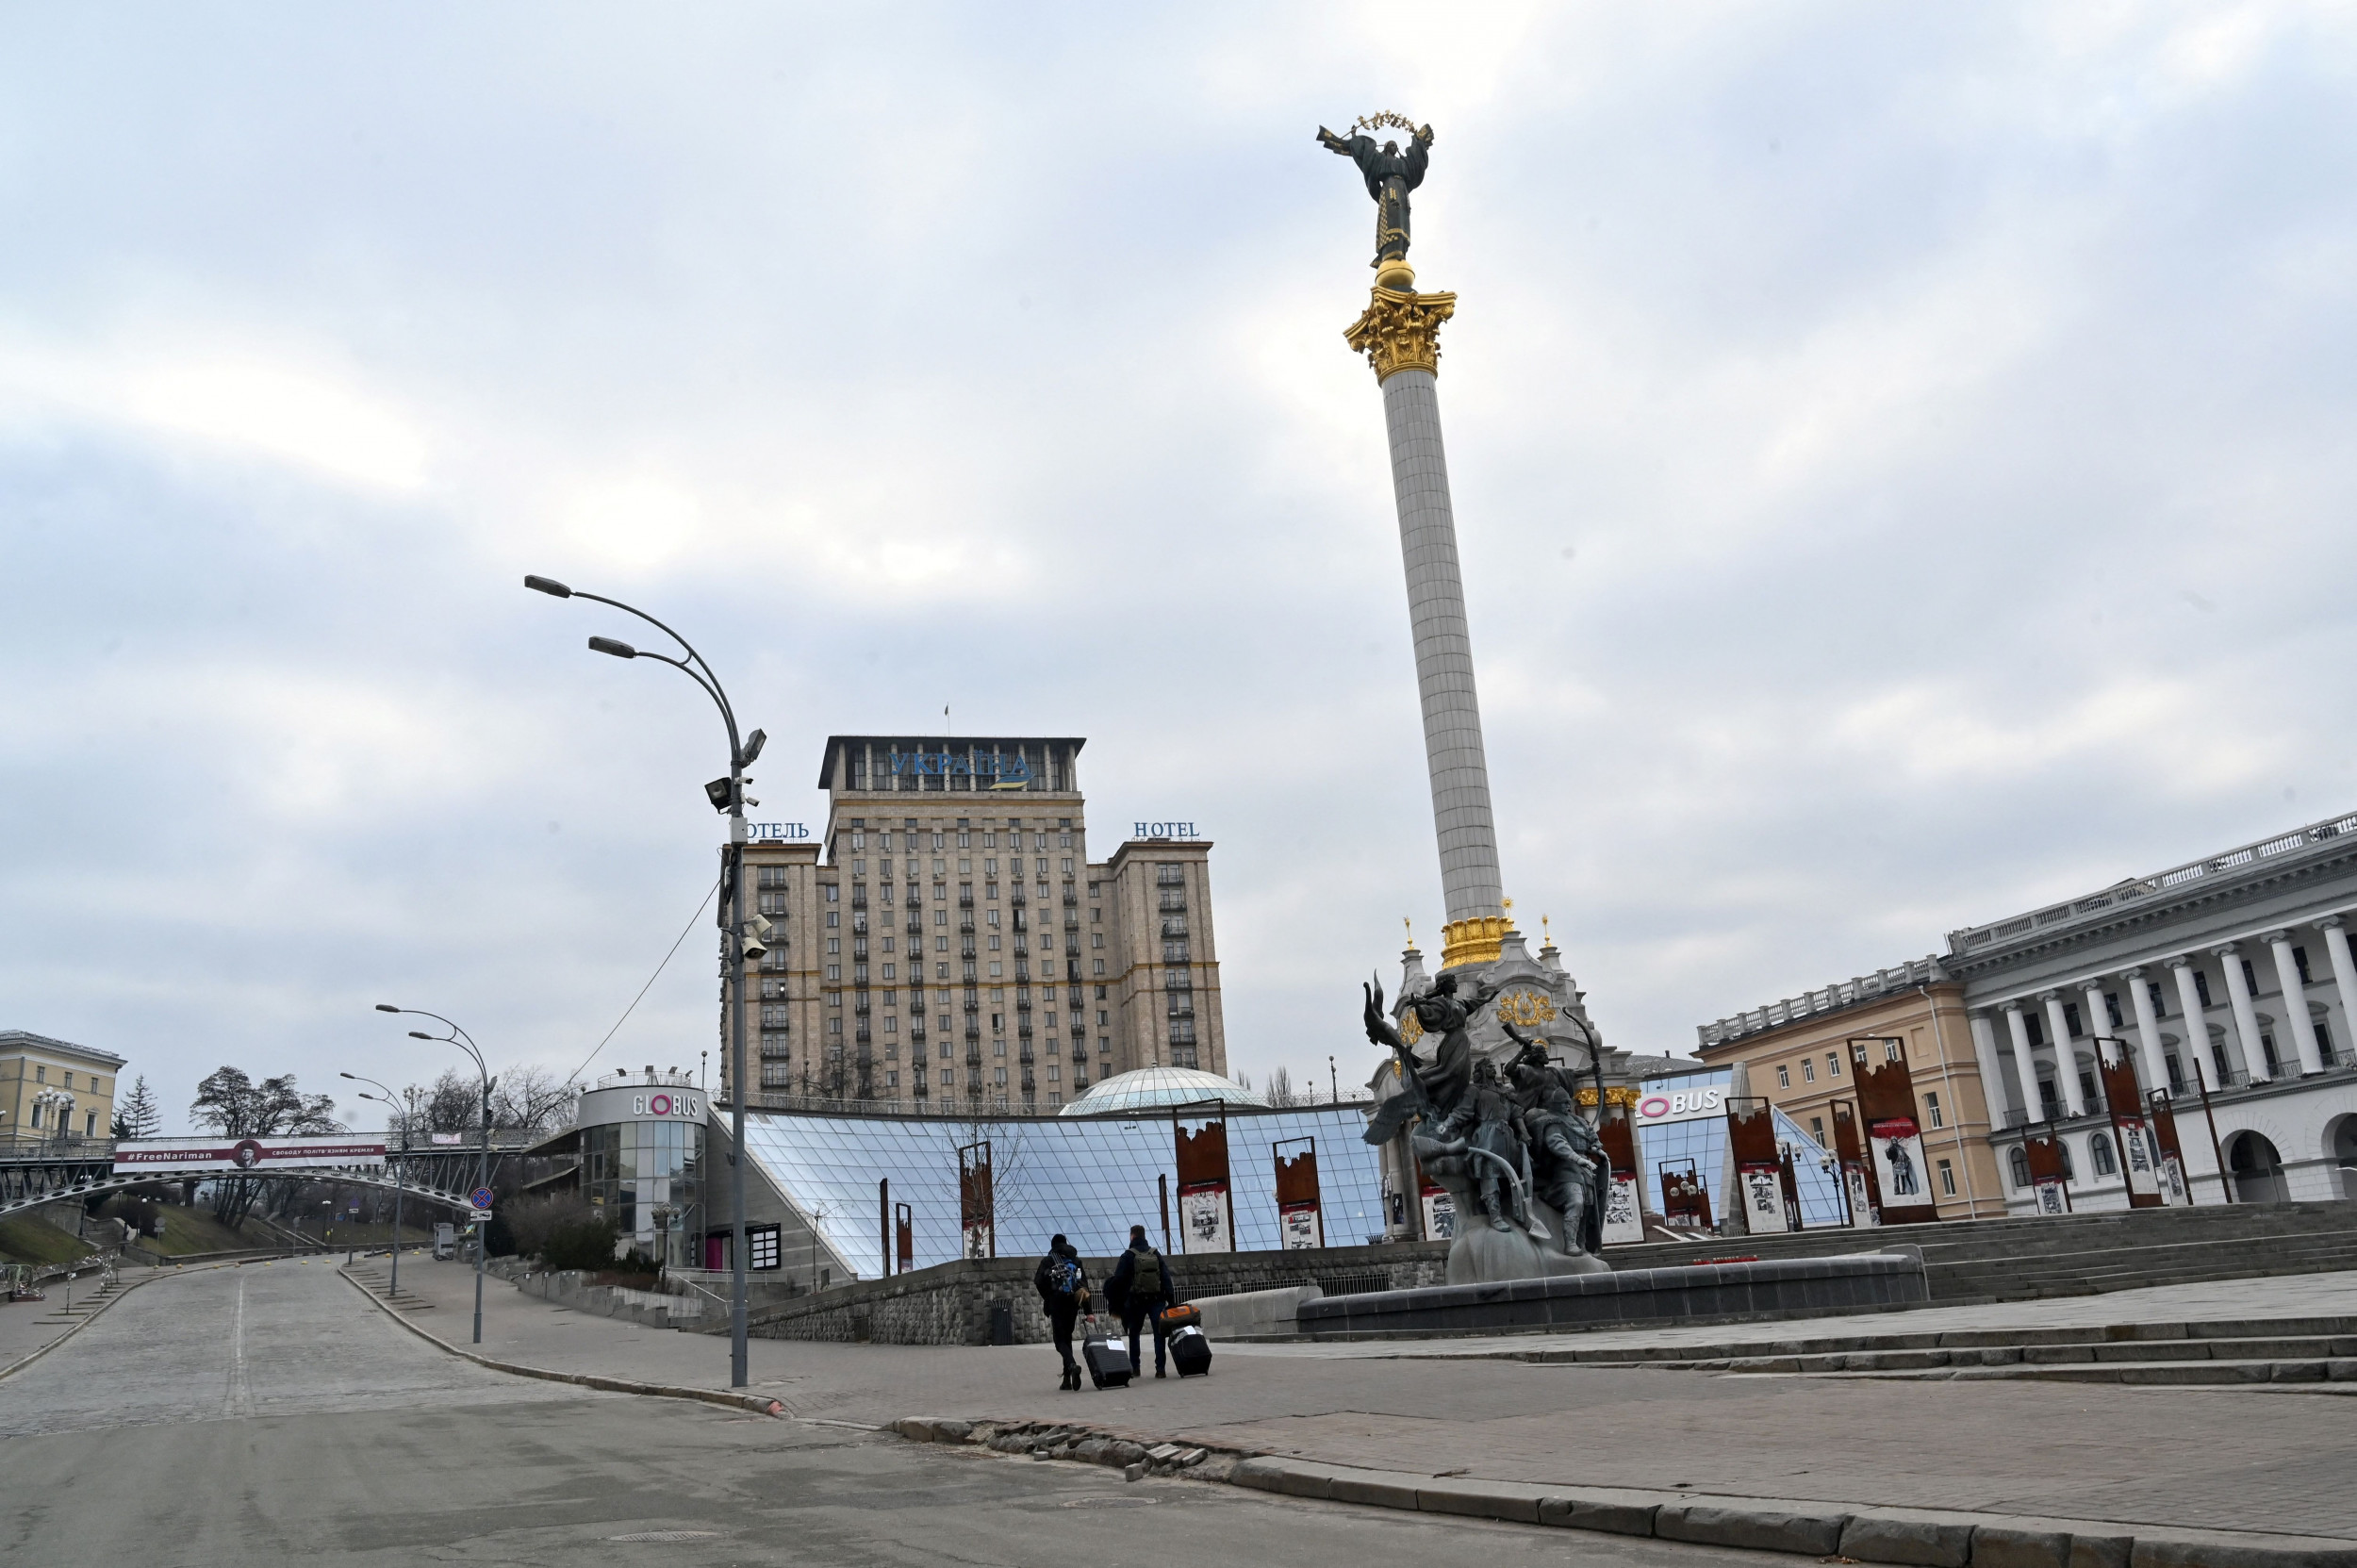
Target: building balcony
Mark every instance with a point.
(965, 901)
(859, 925)
(1071, 899)
(1016, 897)
(1174, 900)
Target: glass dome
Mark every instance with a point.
(1158, 1088)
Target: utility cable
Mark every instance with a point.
(651, 980)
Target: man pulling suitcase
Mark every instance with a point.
(1139, 1289)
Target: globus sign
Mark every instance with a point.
(1682, 1105)
(663, 1104)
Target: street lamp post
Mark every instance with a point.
(726, 795)
(387, 1100)
(463, 1041)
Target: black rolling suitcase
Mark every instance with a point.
(1190, 1353)
(1108, 1361)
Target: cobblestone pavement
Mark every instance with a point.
(270, 1414)
(2205, 1457)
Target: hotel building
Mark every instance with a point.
(946, 945)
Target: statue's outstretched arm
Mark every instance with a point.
(1379, 1029)
(1333, 143)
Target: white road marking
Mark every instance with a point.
(240, 1398)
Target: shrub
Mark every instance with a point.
(585, 1243)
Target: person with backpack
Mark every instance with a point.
(1140, 1288)
(1063, 1296)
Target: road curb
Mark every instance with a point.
(760, 1404)
(1924, 1537)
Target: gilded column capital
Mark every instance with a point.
(1401, 331)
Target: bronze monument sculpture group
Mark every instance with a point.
(1524, 1169)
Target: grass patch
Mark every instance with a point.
(27, 1240)
(190, 1230)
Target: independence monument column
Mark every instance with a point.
(1400, 334)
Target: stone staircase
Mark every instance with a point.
(2317, 1351)
(84, 1301)
(379, 1280)
(2021, 1258)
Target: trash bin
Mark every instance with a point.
(1002, 1322)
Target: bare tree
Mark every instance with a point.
(530, 1097)
(1280, 1087)
(232, 1104)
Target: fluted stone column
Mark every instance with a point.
(2197, 1021)
(1992, 1076)
(2066, 1055)
(1400, 336)
(2148, 1031)
(2024, 1065)
(2344, 978)
(2296, 1017)
(2254, 1056)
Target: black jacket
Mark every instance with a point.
(1117, 1288)
(1050, 1297)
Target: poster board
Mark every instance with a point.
(2050, 1183)
(1623, 1195)
(2160, 1121)
(1684, 1200)
(1300, 1222)
(2140, 1163)
(1858, 1193)
(1207, 1220)
(1894, 1136)
(978, 1228)
(1758, 1164)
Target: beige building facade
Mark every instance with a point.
(946, 943)
(1796, 1054)
(52, 1089)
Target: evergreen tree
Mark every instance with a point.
(136, 1114)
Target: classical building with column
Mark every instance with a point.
(1795, 1054)
(2226, 980)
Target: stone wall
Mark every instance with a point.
(950, 1303)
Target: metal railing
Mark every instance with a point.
(1830, 998)
(2136, 889)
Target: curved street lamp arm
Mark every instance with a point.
(709, 679)
(457, 1036)
(711, 690)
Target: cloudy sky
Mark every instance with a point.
(1902, 457)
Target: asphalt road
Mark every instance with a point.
(267, 1414)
